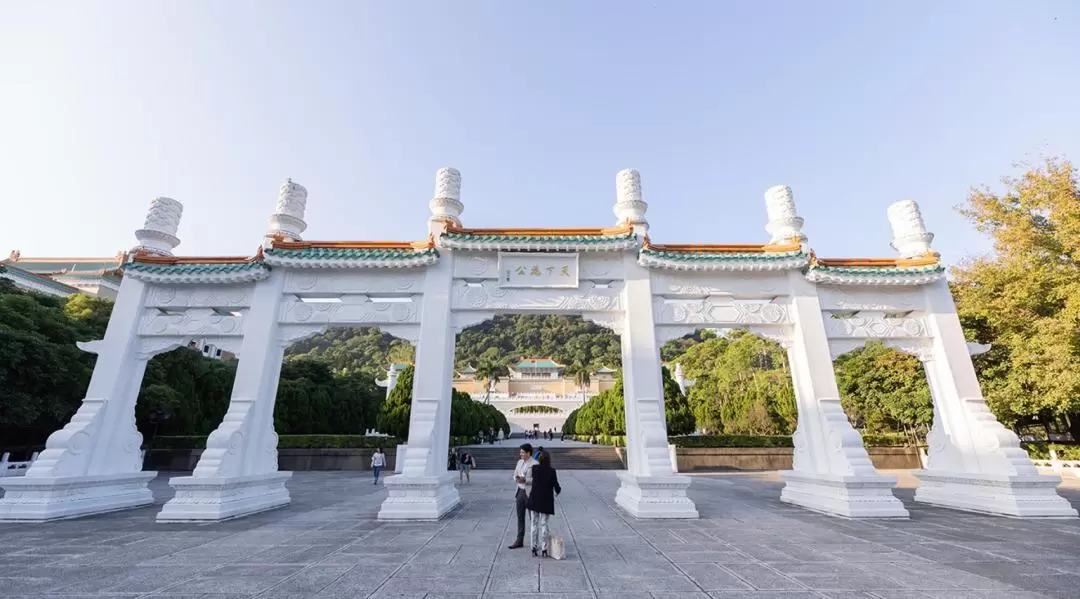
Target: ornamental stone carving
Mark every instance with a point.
(629, 205)
(158, 235)
(899, 300)
(487, 295)
(288, 218)
(910, 236)
(353, 282)
(872, 325)
(784, 222)
(199, 296)
(446, 204)
(194, 322)
(719, 310)
(351, 310)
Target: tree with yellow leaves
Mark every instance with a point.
(1024, 298)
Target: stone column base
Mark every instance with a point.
(655, 497)
(419, 497)
(844, 496)
(212, 499)
(1022, 496)
(39, 499)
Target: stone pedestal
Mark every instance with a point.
(831, 470)
(974, 463)
(655, 497)
(419, 497)
(1020, 496)
(845, 496)
(43, 498)
(222, 498)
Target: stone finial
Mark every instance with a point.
(629, 206)
(287, 221)
(784, 224)
(446, 204)
(910, 236)
(14, 255)
(158, 235)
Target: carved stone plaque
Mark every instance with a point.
(537, 270)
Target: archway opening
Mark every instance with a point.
(736, 383)
(553, 363)
(885, 395)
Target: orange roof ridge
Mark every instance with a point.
(355, 245)
(927, 259)
(147, 258)
(707, 248)
(542, 232)
(22, 258)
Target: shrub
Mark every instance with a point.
(290, 442)
(732, 441)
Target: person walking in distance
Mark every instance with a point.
(541, 502)
(467, 463)
(378, 460)
(523, 478)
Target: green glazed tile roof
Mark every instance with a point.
(44, 280)
(331, 253)
(545, 363)
(72, 267)
(880, 271)
(724, 256)
(193, 269)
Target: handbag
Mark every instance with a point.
(556, 545)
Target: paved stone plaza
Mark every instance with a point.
(747, 545)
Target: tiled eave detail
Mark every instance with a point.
(733, 258)
(921, 270)
(179, 271)
(351, 254)
(557, 240)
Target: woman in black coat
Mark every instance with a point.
(541, 502)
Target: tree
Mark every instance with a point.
(605, 414)
(1025, 297)
(395, 411)
(743, 386)
(884, 390)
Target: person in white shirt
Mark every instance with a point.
(378, 460)
(523, 478)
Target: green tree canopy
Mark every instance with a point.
(884, 390)
(1025, 297)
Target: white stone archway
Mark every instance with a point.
(426, 292)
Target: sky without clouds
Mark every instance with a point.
(855, 105)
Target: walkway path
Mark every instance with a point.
(747, 545)
(517, 441)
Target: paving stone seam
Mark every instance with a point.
(411, 556)
(498, 546)
(573, 538)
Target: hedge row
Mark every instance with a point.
(1040, 450)
(291, 442)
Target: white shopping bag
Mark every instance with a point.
(556, 547)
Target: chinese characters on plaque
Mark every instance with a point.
(555, 270)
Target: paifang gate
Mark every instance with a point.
(428, 291)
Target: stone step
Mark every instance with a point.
(565, 458)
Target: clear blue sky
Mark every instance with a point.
(105, 105)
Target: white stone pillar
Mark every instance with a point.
(237, 474)
(649, 487)
(974, 463)
(831, 470)
(93, 464)
(425, 490)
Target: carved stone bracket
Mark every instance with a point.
(352, 309)
(199, 296)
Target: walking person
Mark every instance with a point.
(541, 503)
(378, 460)
(523, 478)
(467, 464)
